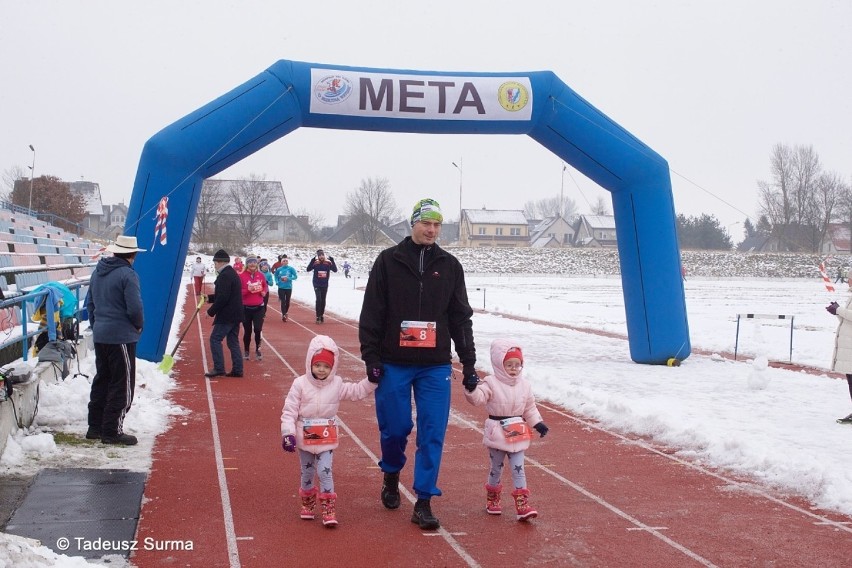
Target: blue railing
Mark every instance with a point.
(18, 302)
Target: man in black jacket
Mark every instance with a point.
(414, 304)
(322, 268)
(227, 309)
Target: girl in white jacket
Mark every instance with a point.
(309, 423)
(512, 412)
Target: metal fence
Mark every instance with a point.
(18, 329)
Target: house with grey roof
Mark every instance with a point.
(552, 232)
(595, 231)
(493, 228)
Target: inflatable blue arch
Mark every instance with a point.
(292, 94)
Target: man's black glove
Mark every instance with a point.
(832, 308)
(469, 378)
(541, 429)
(375, 371)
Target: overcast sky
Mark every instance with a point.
(711, 86)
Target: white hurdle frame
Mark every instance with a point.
(763, 316)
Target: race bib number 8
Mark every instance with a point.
(417, 334)
(317, 431)
(515, 429)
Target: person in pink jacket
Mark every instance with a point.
(309, 423)
(255, 290)
(507, 396)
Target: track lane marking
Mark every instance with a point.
(227, 511)
(638, 525)
(820, 520)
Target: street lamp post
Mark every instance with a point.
(32, 177)
(461, 178)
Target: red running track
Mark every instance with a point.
(221, 485)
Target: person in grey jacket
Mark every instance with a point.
(115, 316)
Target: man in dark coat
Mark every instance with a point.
(226, 307)
(115, 316)
(414, 305)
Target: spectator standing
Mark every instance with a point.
(197, 271)
(322, 268)
(507, 396)
(115, 315)
(226, 307)
(842, 359)
(415, 289)
(254, 291)
(284, 277)
(309, 424)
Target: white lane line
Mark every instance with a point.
(444, 533)
(227, 512)
(600, 501)
(820, 520)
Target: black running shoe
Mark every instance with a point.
(390, 491)
(423, 517)
(845, 420)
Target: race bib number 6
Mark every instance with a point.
(317, 431)
(417, 334)
(515, 429)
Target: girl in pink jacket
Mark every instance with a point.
(509, 400)
(309, 423)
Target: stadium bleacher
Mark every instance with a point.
(33, 252)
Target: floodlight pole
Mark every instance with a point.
(461, 179)
(32, 177)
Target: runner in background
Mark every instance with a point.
(284, 276)
(322, 268)
(197, 271)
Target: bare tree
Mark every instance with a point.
(314, 219)
(600, 207)
(843, 213)
(371, 205)
(208, 214)
(776, 199)
(799, 200)
(255, 204)
(551, 207)
(820, 208)
(10, 176)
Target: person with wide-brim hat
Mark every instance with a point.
(124, 245)
(114, 304)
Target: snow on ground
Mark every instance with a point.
(770, 425)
